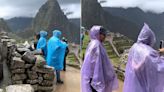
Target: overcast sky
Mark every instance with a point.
(156, 6)
(29, 8)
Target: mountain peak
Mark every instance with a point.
(51, 17)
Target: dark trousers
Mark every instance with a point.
(64, 64)
(58, 75)
(93, 90)
(1, 71)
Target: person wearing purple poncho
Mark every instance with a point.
(97, 73)
(145, 67)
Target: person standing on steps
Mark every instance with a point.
(56, 52)
(42, 43)
(145, 67)
(97, 73)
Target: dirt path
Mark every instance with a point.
(72, 81)
(120, 86)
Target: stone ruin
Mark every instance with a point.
(120, 69)
(25, 66)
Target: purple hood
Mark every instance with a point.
(145, 67)
(97, 71)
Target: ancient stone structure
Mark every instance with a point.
(25, 67)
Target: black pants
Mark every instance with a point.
(93, 90)
(64, 63)
(58, 75)
(1, 71)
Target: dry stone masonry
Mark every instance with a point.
(26, 67)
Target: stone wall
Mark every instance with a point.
(26, 67)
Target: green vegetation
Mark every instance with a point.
(71, 58)
(122, 43)
(17, 38)
(85, 44)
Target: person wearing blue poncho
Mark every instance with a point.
(42, 43)
(56, 52)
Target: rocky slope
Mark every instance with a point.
(51, 17)
(19, 23)
(138, 16)
(94, 14)
(3, 25)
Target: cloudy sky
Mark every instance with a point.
(156, 6)
(71, 6)
(29, 8)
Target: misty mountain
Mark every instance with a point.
(50, 17)
(75, 21)
(3, 25)
(94, 14)
(137, 16)
(19, 23)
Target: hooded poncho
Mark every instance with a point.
(97, 70)
(56, 51)
(42, 43)
(145, 67)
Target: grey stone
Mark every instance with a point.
(49, 76)
(40, 61)
(17, 82)
(28, 66)
(40, 74)
(17, 77)
(45, 69)
(17, 63)
(18, 71)
(1, 90)
(35, 87)
(40, 80)
(29, 57)
(47, 83)
(22, 50)
(20, 88)
(16, 54)
(32, 75)
(32, 81)
(4, 50)
(43, 88)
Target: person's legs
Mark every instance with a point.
(93, 90)
(58, 77)
(64, 63)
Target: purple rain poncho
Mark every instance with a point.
(97, 70)
(145, 66)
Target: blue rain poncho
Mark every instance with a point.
(56, 51)
(42, 43)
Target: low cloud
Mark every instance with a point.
(29, 8)
(156, 6)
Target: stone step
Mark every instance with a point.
(19, 88)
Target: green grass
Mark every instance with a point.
(71, 58)
(85, 44)
(113, 57)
